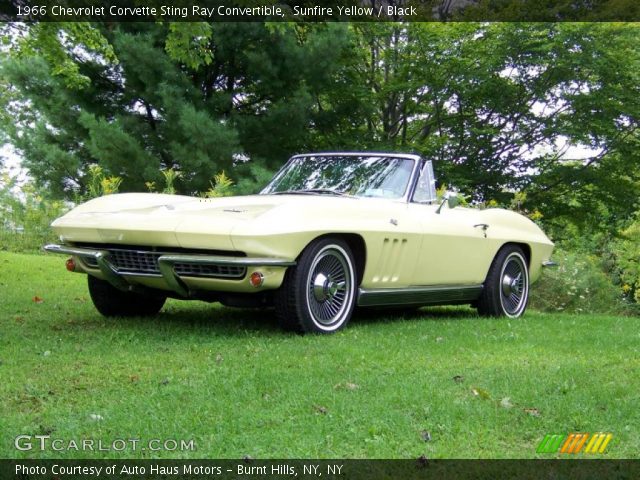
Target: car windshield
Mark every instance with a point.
(356, 175)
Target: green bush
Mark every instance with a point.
(221, 186)
(578, 285)
(25, 216)
(99, 183)
(625, 254)
(252, 177)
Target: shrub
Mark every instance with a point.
(625, 254)
(25, 216)
(170, 176)
(252, 177)
(577, 285)
(100, 184)
(221, 186)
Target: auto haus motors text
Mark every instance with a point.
(122, 469)
(186, 469)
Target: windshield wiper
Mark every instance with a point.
(311, 191)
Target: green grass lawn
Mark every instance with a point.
(235, 384)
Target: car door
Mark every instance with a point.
(454, 249)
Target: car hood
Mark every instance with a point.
(174, 220)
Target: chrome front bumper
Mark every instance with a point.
(166, 264)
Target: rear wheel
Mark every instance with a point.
(111, 302)
(506, 288)
(318, 294)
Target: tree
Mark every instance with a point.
(138, 98)
(496, 105)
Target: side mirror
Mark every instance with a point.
(451, 199)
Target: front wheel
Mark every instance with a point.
(318, 294)
(506, 288)
(111, 302)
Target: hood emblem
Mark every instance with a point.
(233, 210)
(393, 221)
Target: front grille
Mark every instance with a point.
(146, 263)
(134, 261)
(198, 270)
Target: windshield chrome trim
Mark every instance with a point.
(417, 162)
(411, 156)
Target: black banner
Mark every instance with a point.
(250, 469)
(319, 10)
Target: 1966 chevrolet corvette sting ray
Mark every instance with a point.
(329, 232)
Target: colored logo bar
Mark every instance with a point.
(574, 443)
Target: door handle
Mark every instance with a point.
(484, 227)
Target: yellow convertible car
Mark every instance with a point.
(330, 232)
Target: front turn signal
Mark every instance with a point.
(70, 264)
(256, 279)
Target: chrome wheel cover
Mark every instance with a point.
(514, 285)
(330, 289)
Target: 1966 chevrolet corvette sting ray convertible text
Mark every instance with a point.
(329, 232)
